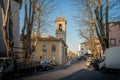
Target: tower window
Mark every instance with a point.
(60, 27)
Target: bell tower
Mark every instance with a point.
(61, 28)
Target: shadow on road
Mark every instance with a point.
(57, 68)
(86, 74)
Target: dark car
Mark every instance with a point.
(95, 63)
(53, 64)
(45, 65)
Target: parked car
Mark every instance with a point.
(88, 62)
(53, 63)
(95, 63)
(45, 65)
(72, 61)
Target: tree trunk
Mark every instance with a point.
(107, 27)
(5, 15)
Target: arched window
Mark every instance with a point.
(53, 48)
(44, 48)
(60, 27)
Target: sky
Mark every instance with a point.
(65, 9)
(68, 10)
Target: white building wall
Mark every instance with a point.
(16, 26)
(83, 50)
(15, 12)
(60, 52)
(79, 49)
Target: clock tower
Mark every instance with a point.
(61, 28)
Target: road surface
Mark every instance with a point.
(76, 71)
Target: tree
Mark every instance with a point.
(99, 13)
(90, 37)
(47, 7)
(39, 9)
(6, 27)
(30, 7)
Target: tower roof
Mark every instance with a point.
(60, 19)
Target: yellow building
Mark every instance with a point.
(51, 48)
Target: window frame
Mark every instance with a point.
(113, 41)
(53, 48)
(44, 48)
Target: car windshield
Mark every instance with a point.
(1, 62)
(44, 62)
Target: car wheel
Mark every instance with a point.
(52, 67)
(103, 70)
(97, 68)
(47, 68)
